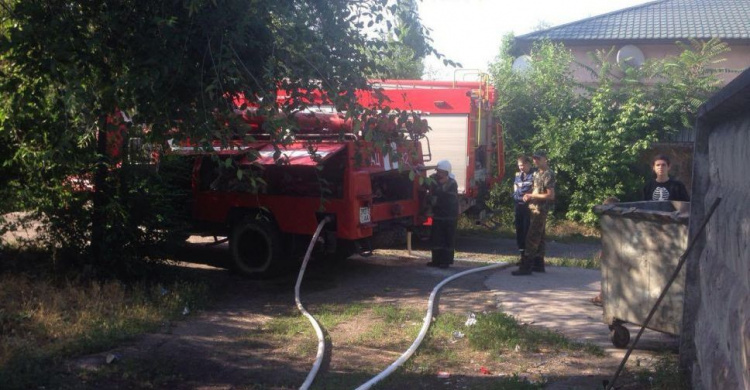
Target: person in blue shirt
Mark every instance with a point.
(522, 184)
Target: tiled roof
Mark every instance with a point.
(659, 20)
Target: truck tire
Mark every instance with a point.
(255, 248)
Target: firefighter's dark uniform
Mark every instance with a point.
(444, 220)
(533, 258)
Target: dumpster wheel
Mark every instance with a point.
(619, 335)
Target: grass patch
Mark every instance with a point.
(294, 326)
(591, 263)
(665, 374)
(42, 322)
(450, 346)
(490, 228)
(287, 325)
(392, 325)
(392, 314)
(559, 230)
(562, 230)
(391, 328)
(329, 316)
(435, 351)
(497, 332)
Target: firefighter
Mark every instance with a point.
(540, 199)
(443, 192)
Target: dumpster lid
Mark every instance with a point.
(661, 211)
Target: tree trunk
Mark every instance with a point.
(100, 193)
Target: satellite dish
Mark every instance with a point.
(630, 55)
(522, 64)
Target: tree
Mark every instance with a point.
(595, 135)
(407, 45)
(68, 66)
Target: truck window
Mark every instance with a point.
(326, 180)
(391, 186)
(208, 173)
(215, 176)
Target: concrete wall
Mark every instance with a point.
(715, 344)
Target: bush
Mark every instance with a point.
(143, 215)
(595, 135)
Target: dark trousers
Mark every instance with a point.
(522, 222)
(534, 255)
(443, 240)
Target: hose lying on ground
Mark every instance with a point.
(321, 340)
(425, 325)
(408, 353)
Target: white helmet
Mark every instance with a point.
(444, 165)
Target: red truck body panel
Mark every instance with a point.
(300, 214)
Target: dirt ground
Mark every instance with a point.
(219, 349)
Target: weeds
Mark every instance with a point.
(501, 332)
(590, 263)
(665, 374)
(42, 323)
(559, 230)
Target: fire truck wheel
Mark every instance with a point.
(255, 248)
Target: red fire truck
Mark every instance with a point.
(462, 130)
(369, 194)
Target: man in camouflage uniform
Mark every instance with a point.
(540, 199)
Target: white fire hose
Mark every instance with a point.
(321, 340)
(425, 325)
(406, 355)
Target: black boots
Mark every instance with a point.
(520, 257)
(527, 266)
(538, 265)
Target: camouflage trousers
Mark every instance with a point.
(535, 236)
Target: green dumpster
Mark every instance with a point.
(641, 245)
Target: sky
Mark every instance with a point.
(470, 31)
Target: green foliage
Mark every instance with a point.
(43, 323)
(596, 150)
(145, 214)
(171, 65)
(401, 62)
(498, 332)
(595, 134)
(406, 45)
(689, 80)
(664, 374)
(524, 99)
(545, 90)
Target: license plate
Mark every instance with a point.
(364, 215)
